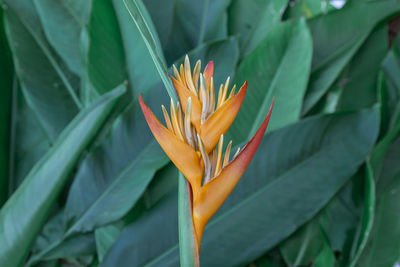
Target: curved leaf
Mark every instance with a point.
(136, 14)
(184, 24)
(252, 20)
(279, 68)
(62, 23)
(383, 248)
(24, 213)
(336, 38)
(367, 217)
(45, 84)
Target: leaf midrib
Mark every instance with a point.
(72, 229)
(278, 70)
(51, 60)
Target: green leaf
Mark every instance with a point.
(24, 213)
(6, 106)
(361, 78)
(140, 67)
(383, 248)
(388, 166)
(106, 57)
(62, 23)
(136, 14)
(326, 258)
(45, 84)
(29, 142)
(79, 246)
(283, 187)
(184, 24)
(252, 20)
(367, 218)
(336, 38)
(105, 237)
(123, 192)
(304, 245)
(391, 69)
(118, 52)
(188, 249)
(116, 173)
(278, 68)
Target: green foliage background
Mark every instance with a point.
(83, 182)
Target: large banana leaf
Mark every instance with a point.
(281, 190)
(361, 76)
(62, 23)
(137, 12)
(253, 19)
(184, 24)
(23, 215)
(44, 81)
(278, 68)
(383, 247)
(336, 38)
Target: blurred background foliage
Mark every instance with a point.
(83, 183)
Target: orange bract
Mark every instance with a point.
(193, 139)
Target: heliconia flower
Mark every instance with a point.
(194, 137)
(211, 117)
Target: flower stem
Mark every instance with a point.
(188, 249)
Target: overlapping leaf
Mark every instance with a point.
(24, 213)
(336, 38)
(278, 68)
(279, 192)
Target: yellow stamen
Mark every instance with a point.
(227, 154)
(211, 99)
(175, 123)
(220, 92)
(232, 93)
(188, 128)
(167, 120)
(196, 74)
(237, 152)
(182, 71)
(224, 92)
(219, 157)
(176, 73)
(206, 160)
(180, 120)
(188, 76)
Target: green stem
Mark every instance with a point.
(188, 249)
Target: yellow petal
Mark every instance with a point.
(184, 94)
(181, 154)
(214, 193)
(220, 121)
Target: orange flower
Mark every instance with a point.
(194, 137)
